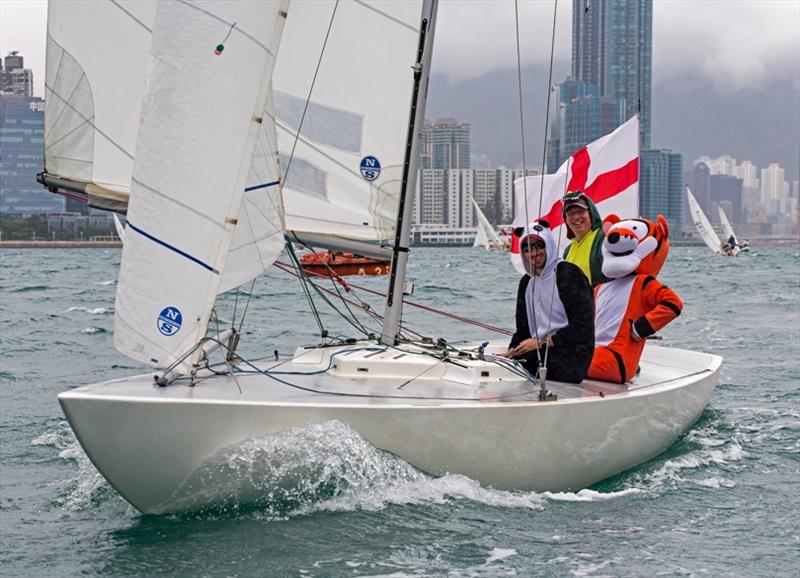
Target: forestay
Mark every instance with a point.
(96, 60)
(207, 85)
(345, 176)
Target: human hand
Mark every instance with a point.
(525, 346)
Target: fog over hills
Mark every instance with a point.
(693, 117)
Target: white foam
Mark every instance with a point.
(499, 554)
(715, 483)
(425, 489)
(93, 311)
(592, 569)
(326, 467)
(87, 483)
(590, 495)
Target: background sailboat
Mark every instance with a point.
(701, 222)
(736, 247)
(487, 238)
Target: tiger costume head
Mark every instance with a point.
(634, 246)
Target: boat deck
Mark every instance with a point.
(368, 374)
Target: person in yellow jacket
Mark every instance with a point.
(585, 229)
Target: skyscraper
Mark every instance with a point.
(445, 144)
(612, 48)
(661, 185)
(21, 149)
(611, 76)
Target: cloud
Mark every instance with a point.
(474, 37)
(735, 43)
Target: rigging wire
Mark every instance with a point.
(503, 362)
(286, 268)
(542, 363)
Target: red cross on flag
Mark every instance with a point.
(607, 170)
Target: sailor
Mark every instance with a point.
(555, 313)
(584, 227)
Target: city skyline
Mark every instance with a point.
(736, 43)
(732, 46)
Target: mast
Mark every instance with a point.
(394, 299)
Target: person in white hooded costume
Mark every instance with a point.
(555, 311)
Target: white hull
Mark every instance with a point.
(147, 440)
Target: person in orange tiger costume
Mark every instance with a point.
(633, 305)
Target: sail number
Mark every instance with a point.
(370, 168)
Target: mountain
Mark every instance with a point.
(693, 117)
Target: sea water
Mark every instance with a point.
(724, 500)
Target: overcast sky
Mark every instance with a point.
(736, 43)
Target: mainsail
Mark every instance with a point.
(728, 230)
(346, 170)
(207, 85)
(704, 228)
(93, 96)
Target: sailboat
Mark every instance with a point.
(261, 123)
(704, 228)
(487, 238)
(727, 231)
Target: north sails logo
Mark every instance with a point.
(169, 321)
(370, 168)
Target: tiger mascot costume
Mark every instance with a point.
(633, 305)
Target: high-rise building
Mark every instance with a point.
(612, 48)
(445, 197)
(21, 150)
(661, 185)
(581, 115)
(773, 184)
(611, 79)
(748, 172)
(431, 206)
(14, 77)
(445, 144)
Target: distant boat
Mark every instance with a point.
(704, 228)
(330, 263)
(732, 240)
(487, 237)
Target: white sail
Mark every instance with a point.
(96, 61)
(704, 228)
(727, 230)
(480, 239)
(486, 233)
(258, 237)
(208, 82)
(356, 121)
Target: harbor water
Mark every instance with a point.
(724, 500)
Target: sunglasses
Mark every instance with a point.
(538, 245)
